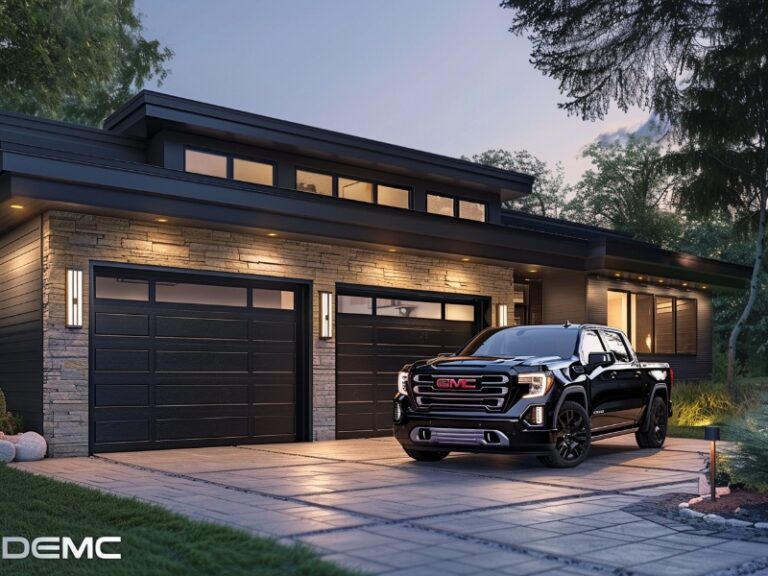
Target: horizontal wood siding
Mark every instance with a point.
(698, 367)
(21, 323)
(563, 296)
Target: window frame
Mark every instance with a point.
(456, 203)
(335, 186)
(230, 157)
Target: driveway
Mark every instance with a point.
(364, 505)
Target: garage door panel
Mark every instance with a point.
(202, 428)
(122, 324)
(201, 328)
(354, 393)
(356, 378)
(208, 361)
(362, 333)
(212, 393)
(125, 395)
(121, 360)
(166, 375)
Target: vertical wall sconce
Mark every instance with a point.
(74, 299)
(501, 315)
(326, 315)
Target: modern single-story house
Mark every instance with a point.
(192, 275)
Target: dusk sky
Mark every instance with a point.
(439, 75)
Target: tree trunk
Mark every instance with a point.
(753, 290)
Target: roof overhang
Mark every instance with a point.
(149, 113)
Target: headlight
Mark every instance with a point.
(402, 382)
(538, 384)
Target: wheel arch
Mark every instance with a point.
(576, 394)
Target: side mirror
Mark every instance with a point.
(596, 359)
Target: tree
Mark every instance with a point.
(701, 65)
(549, 191)
(74, 60)
(626, 189)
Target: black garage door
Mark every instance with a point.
(186, 360)
(379, 332)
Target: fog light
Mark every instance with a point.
(398, 412)
(536, 415)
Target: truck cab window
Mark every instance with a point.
(616, 345)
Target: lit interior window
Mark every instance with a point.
(618, 310)
(440, 205)
(397, 197)
(255, 172)
(461, 312)
(205, 163)
(314, 182)
(355, 190)
(472, 210)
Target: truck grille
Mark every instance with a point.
(481, 393)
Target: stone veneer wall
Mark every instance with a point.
(72, 240)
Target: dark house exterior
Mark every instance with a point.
(192, 275)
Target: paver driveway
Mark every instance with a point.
(364, 505)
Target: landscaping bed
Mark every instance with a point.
(741, 504)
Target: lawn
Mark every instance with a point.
(154, 541)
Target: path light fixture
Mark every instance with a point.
(712, 433)
(74, 298)
(502, 318)
(326, 315)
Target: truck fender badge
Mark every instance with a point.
(461, 383)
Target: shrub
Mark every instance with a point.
(748, 462)
(9, 423)
(708, 402)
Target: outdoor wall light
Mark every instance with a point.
(502, 318)
(712, 433)
(74, 298)
(326, 315)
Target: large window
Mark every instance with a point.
(228, 166)
(396, 307)
(655, 324)
(448, 206)
(352, 189)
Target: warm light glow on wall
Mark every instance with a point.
(326, 315)
(74, 299)
(502, 318)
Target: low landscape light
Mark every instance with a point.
(712, 433)
(17, 207)
(326, 315)
(74, 299)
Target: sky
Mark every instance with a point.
(444, 76)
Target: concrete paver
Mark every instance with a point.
(361, 504)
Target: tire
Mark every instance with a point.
(655, 433)
(425, 455)
(574, 437)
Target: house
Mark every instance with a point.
(191, 275)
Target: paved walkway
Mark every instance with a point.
(362, 504)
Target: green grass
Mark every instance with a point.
(154, 541)
(699, 404)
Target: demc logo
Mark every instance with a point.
(58, 548)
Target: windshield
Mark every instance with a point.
(524, 341)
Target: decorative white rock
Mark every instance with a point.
(714, 519)
(738, 523)
(7, 451)
(31, 446)
(761, 525)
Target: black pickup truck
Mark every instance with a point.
(547, 390)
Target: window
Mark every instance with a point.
(472, 210)
(314, 182)
(460, 312)
(618, 310)
(390, 196)
(122, 289)
(590, 342)
(685, 324)
(355, 305)
(355, 190)
(276, 299)
(255, 172)
(654, 324)
(204, 294)
(616, 344)
(664, 326)
(408, 308)
(447, 206)
(205, 163)
(440, 205)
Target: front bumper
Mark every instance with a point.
(478, 433)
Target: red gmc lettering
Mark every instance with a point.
(462, 383)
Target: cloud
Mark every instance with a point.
(652, 128)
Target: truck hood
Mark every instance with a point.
(464, 362)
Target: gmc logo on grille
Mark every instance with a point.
(462, 383)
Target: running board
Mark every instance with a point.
(612, 434)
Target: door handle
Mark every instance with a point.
(638, 373)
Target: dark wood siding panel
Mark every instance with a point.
(697, 367)
(563, 296)
(21, 323)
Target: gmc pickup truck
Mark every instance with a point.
(547, 390)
